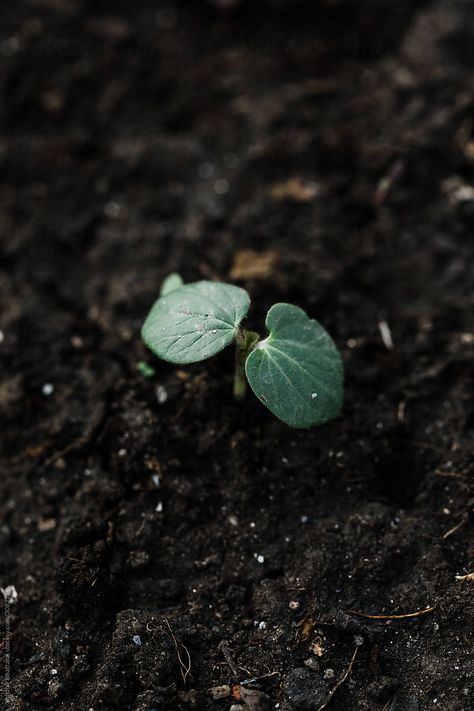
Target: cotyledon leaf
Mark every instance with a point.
(195, 321)
(297, 371)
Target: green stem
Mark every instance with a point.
(244, 342)
(240, 381)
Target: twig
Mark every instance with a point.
(386, 335)
(340, 682)
(387, 183)
(72, 445)
(453, 475)
(469, 576)
(225, 649)
(184, 669)
(391, 617)
(245, 682)
(464, 520)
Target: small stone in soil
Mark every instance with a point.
(137, 640)
(305, 689)
(47, 389)
(161, 394)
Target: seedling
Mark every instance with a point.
(296, 371)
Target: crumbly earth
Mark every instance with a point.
(164, 541)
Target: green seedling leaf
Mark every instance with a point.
(172, 282)
(195, 321)
(297, 371)
(146, 370)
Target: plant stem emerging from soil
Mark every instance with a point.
(244, 342)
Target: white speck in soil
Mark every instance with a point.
(47, 389)
(1, 336)
(122, 452)
(10, 594)
(156, 480)
(260, 558)
(161, 394)
(137, 640)
(112, 210)
(303, 519)
(221, 186)
(293, 604)
(159, 507)
(54, 672)
(214, 330)
(329, 673)
(76, 342)
(262, 625)
(314, 396)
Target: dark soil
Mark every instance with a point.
(336, 141)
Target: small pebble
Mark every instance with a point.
(137, 640)
(47, 389)
(305, 689)
(220, 692)
(221, 186)
(77, 342)
(112, 209)
(329, 673)
(294, 605)
(161, 394)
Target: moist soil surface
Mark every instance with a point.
(164, 541)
